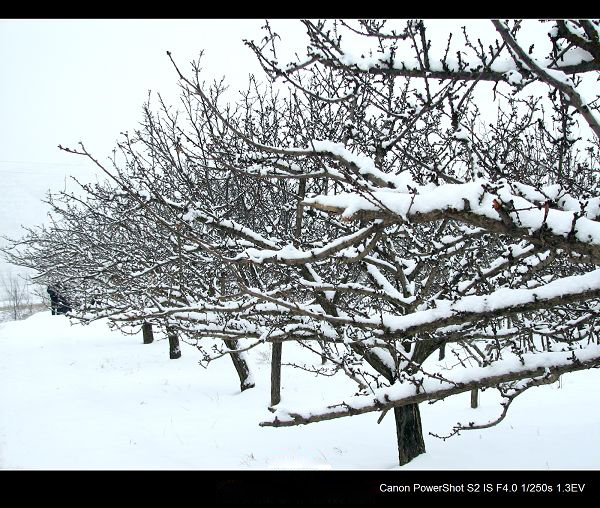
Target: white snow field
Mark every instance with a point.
(86, 397)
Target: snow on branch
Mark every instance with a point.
(479, 203)
(550, 364)
(468, 309)
(555, 78)
(419, 61)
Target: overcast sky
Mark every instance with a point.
(65, 81)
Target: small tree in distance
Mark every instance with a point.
(17, 297)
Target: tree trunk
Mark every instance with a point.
(241, 366)
(239, 362)
(409, 433)
(174, 350)
(474, 398)
(276, 373)
(323, 356)
(147, 333)
(442, 351)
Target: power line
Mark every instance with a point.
(42, 162)
(26, 172)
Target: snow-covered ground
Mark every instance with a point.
(86, 397)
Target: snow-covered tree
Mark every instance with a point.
(482, 230)
(379, 198)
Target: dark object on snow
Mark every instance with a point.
(58, 302)
(147, 333)
(174, 350)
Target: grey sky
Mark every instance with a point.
(63, 81)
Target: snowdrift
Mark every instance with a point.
(88, 397)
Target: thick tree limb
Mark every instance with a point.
(535, 366)
(542, 229)
(552, 78)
